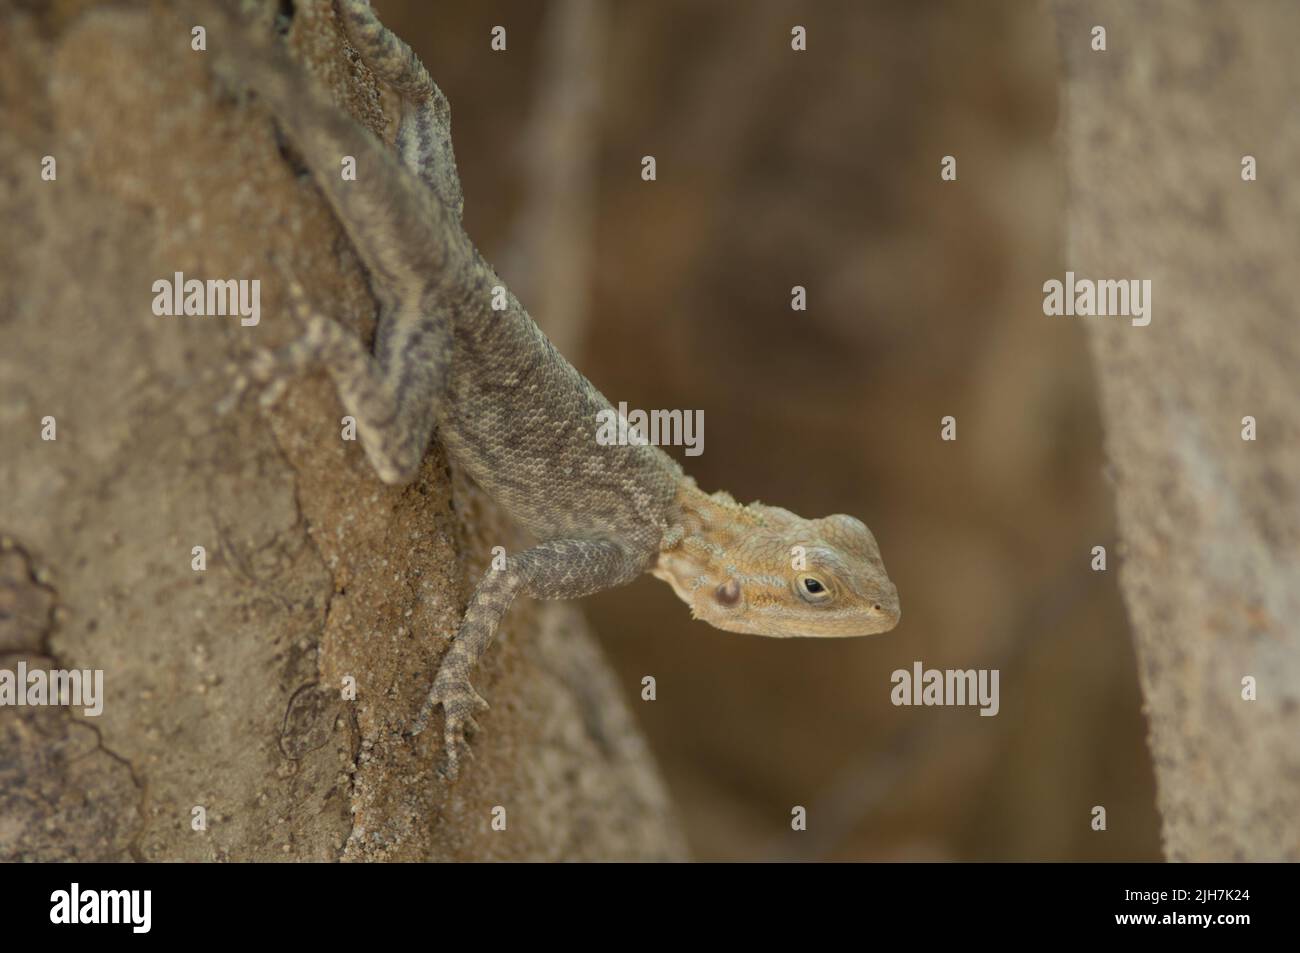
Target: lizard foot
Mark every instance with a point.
(459, 701)
(266, 372)
(270, 370)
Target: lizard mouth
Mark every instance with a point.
(877, 617)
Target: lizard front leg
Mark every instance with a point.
(557, 569)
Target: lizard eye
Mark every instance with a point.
(813, 589)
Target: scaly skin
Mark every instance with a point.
(512, 411)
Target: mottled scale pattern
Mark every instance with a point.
(509, 408)
(526, 432)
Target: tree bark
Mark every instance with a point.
(223, 686)
(1154, 133)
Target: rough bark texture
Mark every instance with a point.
(1154, 131)
(222, 686)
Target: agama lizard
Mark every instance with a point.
(514, 413)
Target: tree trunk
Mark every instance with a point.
(225, 733)
(1154, 133)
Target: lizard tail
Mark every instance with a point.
(424, 135)
(392, 61)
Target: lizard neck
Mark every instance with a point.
(708, 534)
(715, 517)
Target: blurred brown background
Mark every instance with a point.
(821, 169)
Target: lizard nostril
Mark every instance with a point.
(876, 607)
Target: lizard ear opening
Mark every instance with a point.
(728, 594)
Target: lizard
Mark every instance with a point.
(511, 410)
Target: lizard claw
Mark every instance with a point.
(233, 396)
(459, 701)
(268, 372)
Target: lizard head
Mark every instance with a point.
(765, 571)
